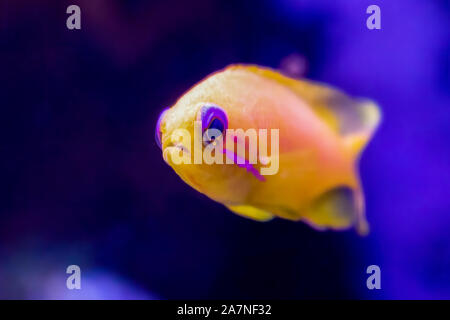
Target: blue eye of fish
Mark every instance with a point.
(214, 122)
(215, 130)
(217, 124)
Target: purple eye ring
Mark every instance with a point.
(209, 113)
(158, 128)
(214, 122)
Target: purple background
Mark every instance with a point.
(83, 182)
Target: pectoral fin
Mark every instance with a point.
(339, 208)
(251, 212)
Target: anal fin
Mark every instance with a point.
(251, 212)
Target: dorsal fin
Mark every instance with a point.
(354, 120)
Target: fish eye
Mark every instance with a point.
(214, 122)
(215, 130)
(217, 124)
(158, 129)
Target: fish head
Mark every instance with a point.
(195, 128)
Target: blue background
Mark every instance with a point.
(83, 182)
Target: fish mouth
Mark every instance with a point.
(242, 163)
(181, 147)
(179, 168)
(175, 147)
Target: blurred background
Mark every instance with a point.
(83, 181)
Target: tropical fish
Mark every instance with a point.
(322, 133)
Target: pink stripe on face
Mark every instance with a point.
(243, 163)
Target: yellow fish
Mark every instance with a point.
(321, 132)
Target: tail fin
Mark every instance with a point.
(370, 116)
(361, 225)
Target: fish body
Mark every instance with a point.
(322, 133)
